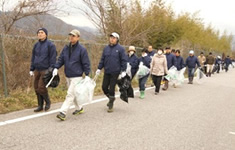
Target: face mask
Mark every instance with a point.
(159, 52)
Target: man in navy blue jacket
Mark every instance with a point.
(191, 63)
(227, 62)
(114, 62)
(171, 61)
(43, 57)
(180, 60)
(75, 59)
(151, 52)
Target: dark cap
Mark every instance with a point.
(44, 30)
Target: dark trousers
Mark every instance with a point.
(157, 82)
(218, 68)
(142, 82)
(39, 86)
(109, 83)
(191, 72)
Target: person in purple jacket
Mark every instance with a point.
(191, 63)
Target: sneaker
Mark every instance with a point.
(110, 110)
(156, 93)
(61, 116)
(77, 112)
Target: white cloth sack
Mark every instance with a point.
(199, 76)
(84, 90)
(143, 71)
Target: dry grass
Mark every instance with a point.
(19, 99)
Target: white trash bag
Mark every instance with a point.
(128, 70)
(84, 90)
(200, 76)
(143, 71)
(171, 76)
(180, 77)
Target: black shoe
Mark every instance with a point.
(76, 112)
(61, 116)
(48, 101)
(110, 104)
(40, 103)
(38, 109)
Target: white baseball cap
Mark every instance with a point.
(191, 52)
(114, 34)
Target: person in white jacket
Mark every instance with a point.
(158, 68)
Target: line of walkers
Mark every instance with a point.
(115, 61)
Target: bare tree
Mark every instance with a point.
(122, 16)
(22, 9)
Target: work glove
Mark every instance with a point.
(123, 74)
(55, 72)
(31, 73)
(98, 72)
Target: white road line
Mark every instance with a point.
(233, 133)
(53, 111)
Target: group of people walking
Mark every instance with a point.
(114, 61)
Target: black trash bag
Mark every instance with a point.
(124, 84)
(47, 77)
(130, 92)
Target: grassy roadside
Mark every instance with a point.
(19, 99)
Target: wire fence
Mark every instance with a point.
(16, 54)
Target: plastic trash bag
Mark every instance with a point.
(143, 71)
(171, 76)
(48, 76)
(200, 76)
(180, 77)
(124, 84)
(128, 70)
(84, 90)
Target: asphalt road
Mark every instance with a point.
(190, 117)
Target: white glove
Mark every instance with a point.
(55, 72)
(123, 74)
(31, 73)
(97, 72)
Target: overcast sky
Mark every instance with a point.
(220, 13)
